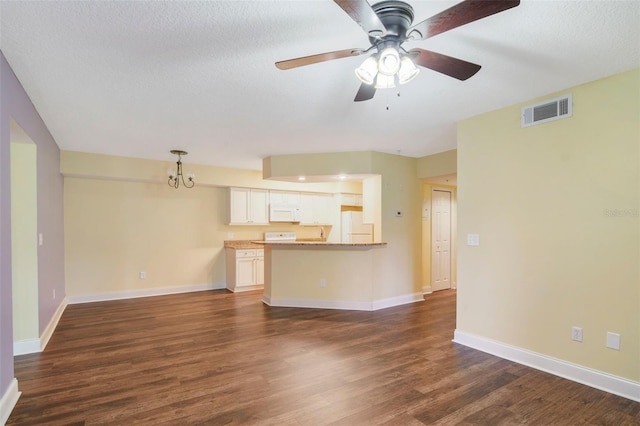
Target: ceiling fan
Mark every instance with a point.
(388, 25)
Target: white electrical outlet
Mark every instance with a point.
(473, 240)
(230, 235)
(323, 282)
(142, 275)
(576, 334)
(54, 294)
(613, 340)
(40, 239)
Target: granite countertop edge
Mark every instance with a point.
(317, 244)
(258, 244)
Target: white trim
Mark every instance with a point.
(596, 379)
(32, 346)
(23, 347)
(147, 292)
(51, 327)
(246, 288)
(427, 289)
(342, 304)
(8, 401)
(397, 301)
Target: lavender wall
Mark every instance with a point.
(15, 103)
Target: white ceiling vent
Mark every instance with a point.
(553, 109)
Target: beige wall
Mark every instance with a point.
(296, 274)
(441, 164)
(398, 268)
(556, 206)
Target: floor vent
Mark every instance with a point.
(546, 111)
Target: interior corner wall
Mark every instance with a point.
(398, 267)
(15, 103)
(556, 206)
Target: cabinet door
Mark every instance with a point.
(245, 271)
(284, 197)
(238, 206)
(348, 199)
(258, 207)
(248, 206)
(306, 209)
(316, 209)
(322, 209)
(259, 270)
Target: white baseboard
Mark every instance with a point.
(596, 379)
(31, 346)
(246, 288)
(28, 346)
(8, 401)
(397, 301)
(427, 289)
(147, 292)
(53, 323)
(342, 304)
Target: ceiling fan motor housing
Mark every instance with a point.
(397, 17)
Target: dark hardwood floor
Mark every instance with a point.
(220, 358)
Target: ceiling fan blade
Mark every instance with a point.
(314, 59)
(453, 67)
(361, 12)
(365, 92)
(458, 15)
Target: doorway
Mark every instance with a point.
(441, 201)
(24, 241)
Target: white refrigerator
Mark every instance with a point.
(353, 230)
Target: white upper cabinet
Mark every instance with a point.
(316, 209)
(284, 197)
(248, 206)
(351, 199)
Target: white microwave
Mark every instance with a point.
(284, 213)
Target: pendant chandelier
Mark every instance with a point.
(176, 176)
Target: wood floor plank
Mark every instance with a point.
(217, 357)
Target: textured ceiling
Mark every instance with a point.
(139, 78)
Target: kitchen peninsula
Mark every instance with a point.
(318, 274)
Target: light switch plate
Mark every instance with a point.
(613, 340)
(473, 239)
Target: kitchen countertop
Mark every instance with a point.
(242, 244)
(311, 242)
(318, 243)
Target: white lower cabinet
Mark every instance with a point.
(245, 269)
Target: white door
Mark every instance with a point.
(440, 240)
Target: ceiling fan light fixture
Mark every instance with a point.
(385, 81)
(408, 71)
(389, 62)
(366, 73)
